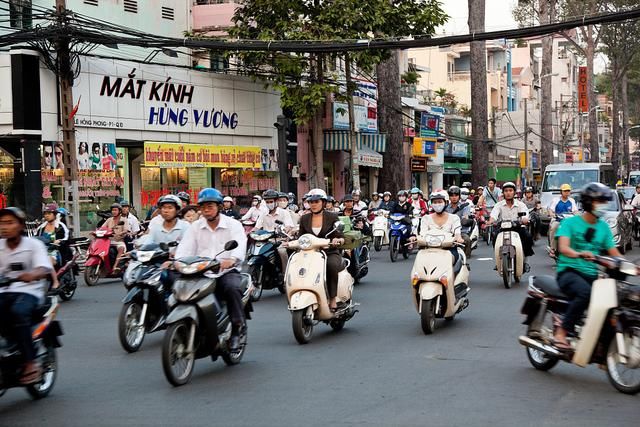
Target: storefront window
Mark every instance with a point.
(6, 178)
(243, 184)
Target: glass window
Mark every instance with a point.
(576, 178)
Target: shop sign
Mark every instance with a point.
(168, 155)
(458, 149)
(423, 147)
(429, 125)
(366, 118)
(583, 98)
(418, 164)
(370, 160)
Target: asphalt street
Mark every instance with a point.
(379, 371)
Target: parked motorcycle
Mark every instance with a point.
(264, 264)
(198, 325)
(144, 307)
(307, 292)
(46, 331)
(101, 258)
(609, 334)
(439, 288)
(380, 229)
(398, 236)
(509, 254)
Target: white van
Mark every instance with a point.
(577, 175)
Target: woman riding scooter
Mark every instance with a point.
(54, 231)
(320, 223)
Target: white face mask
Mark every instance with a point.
(402, 199)
(283, 204)
(464, 196)
(600, 210)
(271, 206)
(438, 207)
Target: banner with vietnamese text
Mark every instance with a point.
(171, 155)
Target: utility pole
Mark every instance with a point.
(355, 169)
(527, 159)
(283, 125)
(495, 143)
(65, 78)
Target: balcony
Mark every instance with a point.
(213, 15)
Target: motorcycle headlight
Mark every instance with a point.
(260, 237)
(304, 242)
(144, 256)
(184, 290)
(189, 269)
(132, 273)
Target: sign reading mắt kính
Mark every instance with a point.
(170, 155)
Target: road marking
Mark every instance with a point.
(485, 259)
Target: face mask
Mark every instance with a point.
(306, 206)
(414, 196)
(283, 204)
(438, 207)
(599, 210)
(271, 206)
(402, 199)
(254, 203)
(464, 196)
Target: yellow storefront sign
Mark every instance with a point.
(171, 155)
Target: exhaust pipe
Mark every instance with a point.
(546, 349)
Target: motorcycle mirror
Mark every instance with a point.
(339, 226)
(230, 245)
(279, 222)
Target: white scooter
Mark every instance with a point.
(609, 334)
(380, 229)
(439, 288)
(307, 292)
(509, 254)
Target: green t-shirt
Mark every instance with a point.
(576, 228)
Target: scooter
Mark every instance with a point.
(307, 292)
(356, 248)
(609, 334)
(101, 257)
(199, 325)
(509, 254)
(439, 288)
(144, 307)
(264, 261)
(68, 272)
(46, 331)
(398, 235)
(380, 229)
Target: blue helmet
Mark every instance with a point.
(63, 211)
(415, 190)
(209, 195)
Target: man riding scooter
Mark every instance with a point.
(511, 209)
(560, 206)
(533, 204)
(580, 238)
(387, 204)
(26, 260)
(121, 230)
(270, 220)
(207, 237)
(464, 212)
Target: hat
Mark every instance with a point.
(16, 213)
(565, 187)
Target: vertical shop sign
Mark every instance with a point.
(583, 98)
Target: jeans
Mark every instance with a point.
(229, 290)
(578, 288)
(16, 311)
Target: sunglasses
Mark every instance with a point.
(48, 153)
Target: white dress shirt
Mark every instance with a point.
(268, 221)
(201, 240)
(29, 255)
(502, 212)
(160, 234)
(134, 224)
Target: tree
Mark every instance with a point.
(479, 114)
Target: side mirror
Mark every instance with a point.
(339, 226)
(230, 245)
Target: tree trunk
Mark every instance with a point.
(594, 147)
(317, 170)
(479, 112)
(615, 107)
(393, 176)
(547, 11)
(625, 125)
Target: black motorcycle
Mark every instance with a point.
(46, 331)
(198, 324)
(357, 248)
(264, 264)
(145, 306)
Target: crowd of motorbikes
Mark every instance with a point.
(182, 303)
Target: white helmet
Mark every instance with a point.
(316, 194)
(228, 199)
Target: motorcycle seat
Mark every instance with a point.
(244, 283)
(458, 265)
(549, 285)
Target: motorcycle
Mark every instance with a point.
(509, 254)
(485, 229)
(432, 273)
(46, 331)
(198, 325)
(470, 228)
(609, 334)
(307, 292)
(534, 221)
(356, 247)
(144, 307)
(264, 264)
(101, 258)
(398, 236)
(380, 229)
(67, 273)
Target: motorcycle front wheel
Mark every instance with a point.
(130, 331)
(428, 316)
(377, 243)
(255, 271)
(506, 272)
(301, 331)
(92, 274)
(68, 290)
(539, 360)
(42, 388)
(177, 362)
(394, 243)
(625, 377)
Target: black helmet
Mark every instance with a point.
(184, 196)
(347, 198)
(125, 204)
(331, 199)
(116, 206)
(270, 194)
(528, 189)
(282, 195)
(594, 192)
(454, 190)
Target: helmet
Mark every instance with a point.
(528, 189)
(116, 206)
(209, 195)
(509, 185)
(63, 211)
(438, 195)
(183, 195)
(125, 203)
(170, 198)
(403, 193)
(375, 193)
(316, 194)
(257, 197)
(454, 189)
(594, 192)
(415, 190)
(466, 184)
(463, 190)
(386, 193)
(347, 198)
(305, 197)
(51, 207)
(16, 213)
(565, 187)
(270, 194)
(356, 193)
(228, 199)
(331, 199)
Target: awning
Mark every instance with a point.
(369, 158)
(339, 140)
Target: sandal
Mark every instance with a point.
(562, 345)
(32, 376)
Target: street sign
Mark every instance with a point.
(429, 125)
(424, 147)
(418, 164)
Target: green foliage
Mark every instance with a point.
(410, 77)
